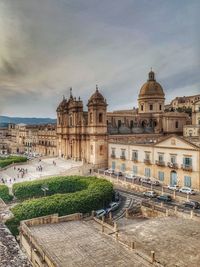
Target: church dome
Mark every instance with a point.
(97, 98)
(151, 88)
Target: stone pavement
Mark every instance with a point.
(176, 241)
(80, 244)
(48, 169)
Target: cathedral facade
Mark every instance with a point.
(82, 135)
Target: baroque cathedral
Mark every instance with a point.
(84, 135)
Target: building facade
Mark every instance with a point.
(193, 130)
(183, 102)
(172, 160)
(82, 135)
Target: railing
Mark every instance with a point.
(113, 156)
(147, 161)
(134, 159)
(122, 157)
(186, 167)
(172, 165)
(160, 163)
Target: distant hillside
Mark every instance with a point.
(5, 120)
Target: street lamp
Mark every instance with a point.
(44, 188)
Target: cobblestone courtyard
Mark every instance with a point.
(11, 175)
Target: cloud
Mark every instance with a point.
(48, 46)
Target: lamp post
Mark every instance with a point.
(45, 188)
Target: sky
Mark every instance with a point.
(48, 46)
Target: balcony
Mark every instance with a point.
(186, 167)
(160, 163)
(123, 157)
(113, 156)
(172, 165)
(147, 161)
(134, 159)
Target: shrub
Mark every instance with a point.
(97, 195)
(12, 225)
(55, 185)
(11, 159)
(4, 193)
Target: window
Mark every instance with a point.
(173, 159)
(187, 181)
(147, 172)
(123, 152)
(160, 107)
(90, 117)
(134, 155)
(101, 150)
(187, 161)
(70, 121)
(123, 167)
(119, 123)
(176, 124)
(151, 107)
(161, 176)
(91, 149)
(113, 151)
(147, 155)
(100, 117)
(160, 157)
(142, 107)
(131, 124)
(135, 170)
(113, 165)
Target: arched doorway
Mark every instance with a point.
(173, 178)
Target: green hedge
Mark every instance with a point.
(5, 161)
(55, 185)
(96, 193)
(4, 193)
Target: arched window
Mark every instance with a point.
(142, 107)
(100, 117)
(90, 117)
(70, 121)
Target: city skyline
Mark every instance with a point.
(46, 48)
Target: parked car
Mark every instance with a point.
(100, 213)
(192, 204)
(117, 196)
(154, 182)
(113, 206)
(173, 187)
(145, 180)
(109, 171)
(150, 194)
(130, 176)
(118, 174)
(164, 198)
(187, 190)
